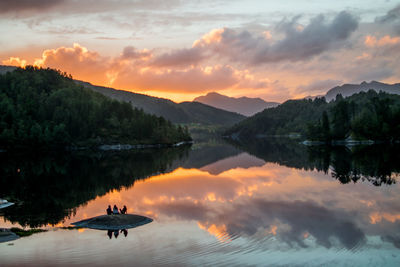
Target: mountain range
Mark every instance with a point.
(350, 89)
(185, 112)
(243, 105)
(215, 108)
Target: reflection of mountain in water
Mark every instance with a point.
(47, 188)
(378, 164)
(204, 154)
(243, 160)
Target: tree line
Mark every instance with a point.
(45, 107)
(366, 115)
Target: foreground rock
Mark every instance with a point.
(6, 235)
(113, 222)
(4, 203)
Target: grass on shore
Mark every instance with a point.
(22, 233)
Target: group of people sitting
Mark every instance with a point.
(115, 210)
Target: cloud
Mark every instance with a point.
(299, 42)
(33, 7)
(27, 5)
(195, 79)
(131, 52)
(318, 86)
(180, 57)
(392, 17)
(133, 70)
(15, 61)
(78, 61)
(387, 40)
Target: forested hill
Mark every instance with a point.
(42, 107)
(350, 89)
(367, 115)
(186, 112)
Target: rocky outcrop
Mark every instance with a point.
(113, 222)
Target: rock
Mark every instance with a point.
(113, 222)
(6, 235)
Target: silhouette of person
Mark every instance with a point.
(109, 233)
(116, 233)
(125, 232)
(115, 210)
(124, 210)
(109, 210)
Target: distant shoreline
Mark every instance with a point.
(103, 147)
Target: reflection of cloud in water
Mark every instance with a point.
(299, 208)
(301, 217)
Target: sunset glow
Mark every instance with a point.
(180, 50)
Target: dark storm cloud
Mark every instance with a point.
(392, 17)
(298, 44)
(180, 57)
(131, 52)
(252, 49)
(33, 7)
(27, 5)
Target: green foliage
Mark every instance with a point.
(48, 186)
(23, 233)
(42, 107)
(376, 164)
(367, 115)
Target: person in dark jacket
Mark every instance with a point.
(109, 211)
(124, 210)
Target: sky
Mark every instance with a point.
(275, 50)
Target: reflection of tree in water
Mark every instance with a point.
(48, 188)
(377, 164)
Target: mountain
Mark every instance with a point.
(185, 112)
(243, 105)
(351, 89)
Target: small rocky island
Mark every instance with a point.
(113, 222)
(6, 235)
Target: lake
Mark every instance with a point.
(269, 202)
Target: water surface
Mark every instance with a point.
(268, 203)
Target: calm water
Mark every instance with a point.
(266, 203)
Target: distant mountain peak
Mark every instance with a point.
(243, 105)
(350, 89)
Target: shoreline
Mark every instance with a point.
(102, 147)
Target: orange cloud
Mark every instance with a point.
(377, 217)
(387, 40)
(220, 232)
(142, 71)
(179, 75)
(15, 61)
(78, 61)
